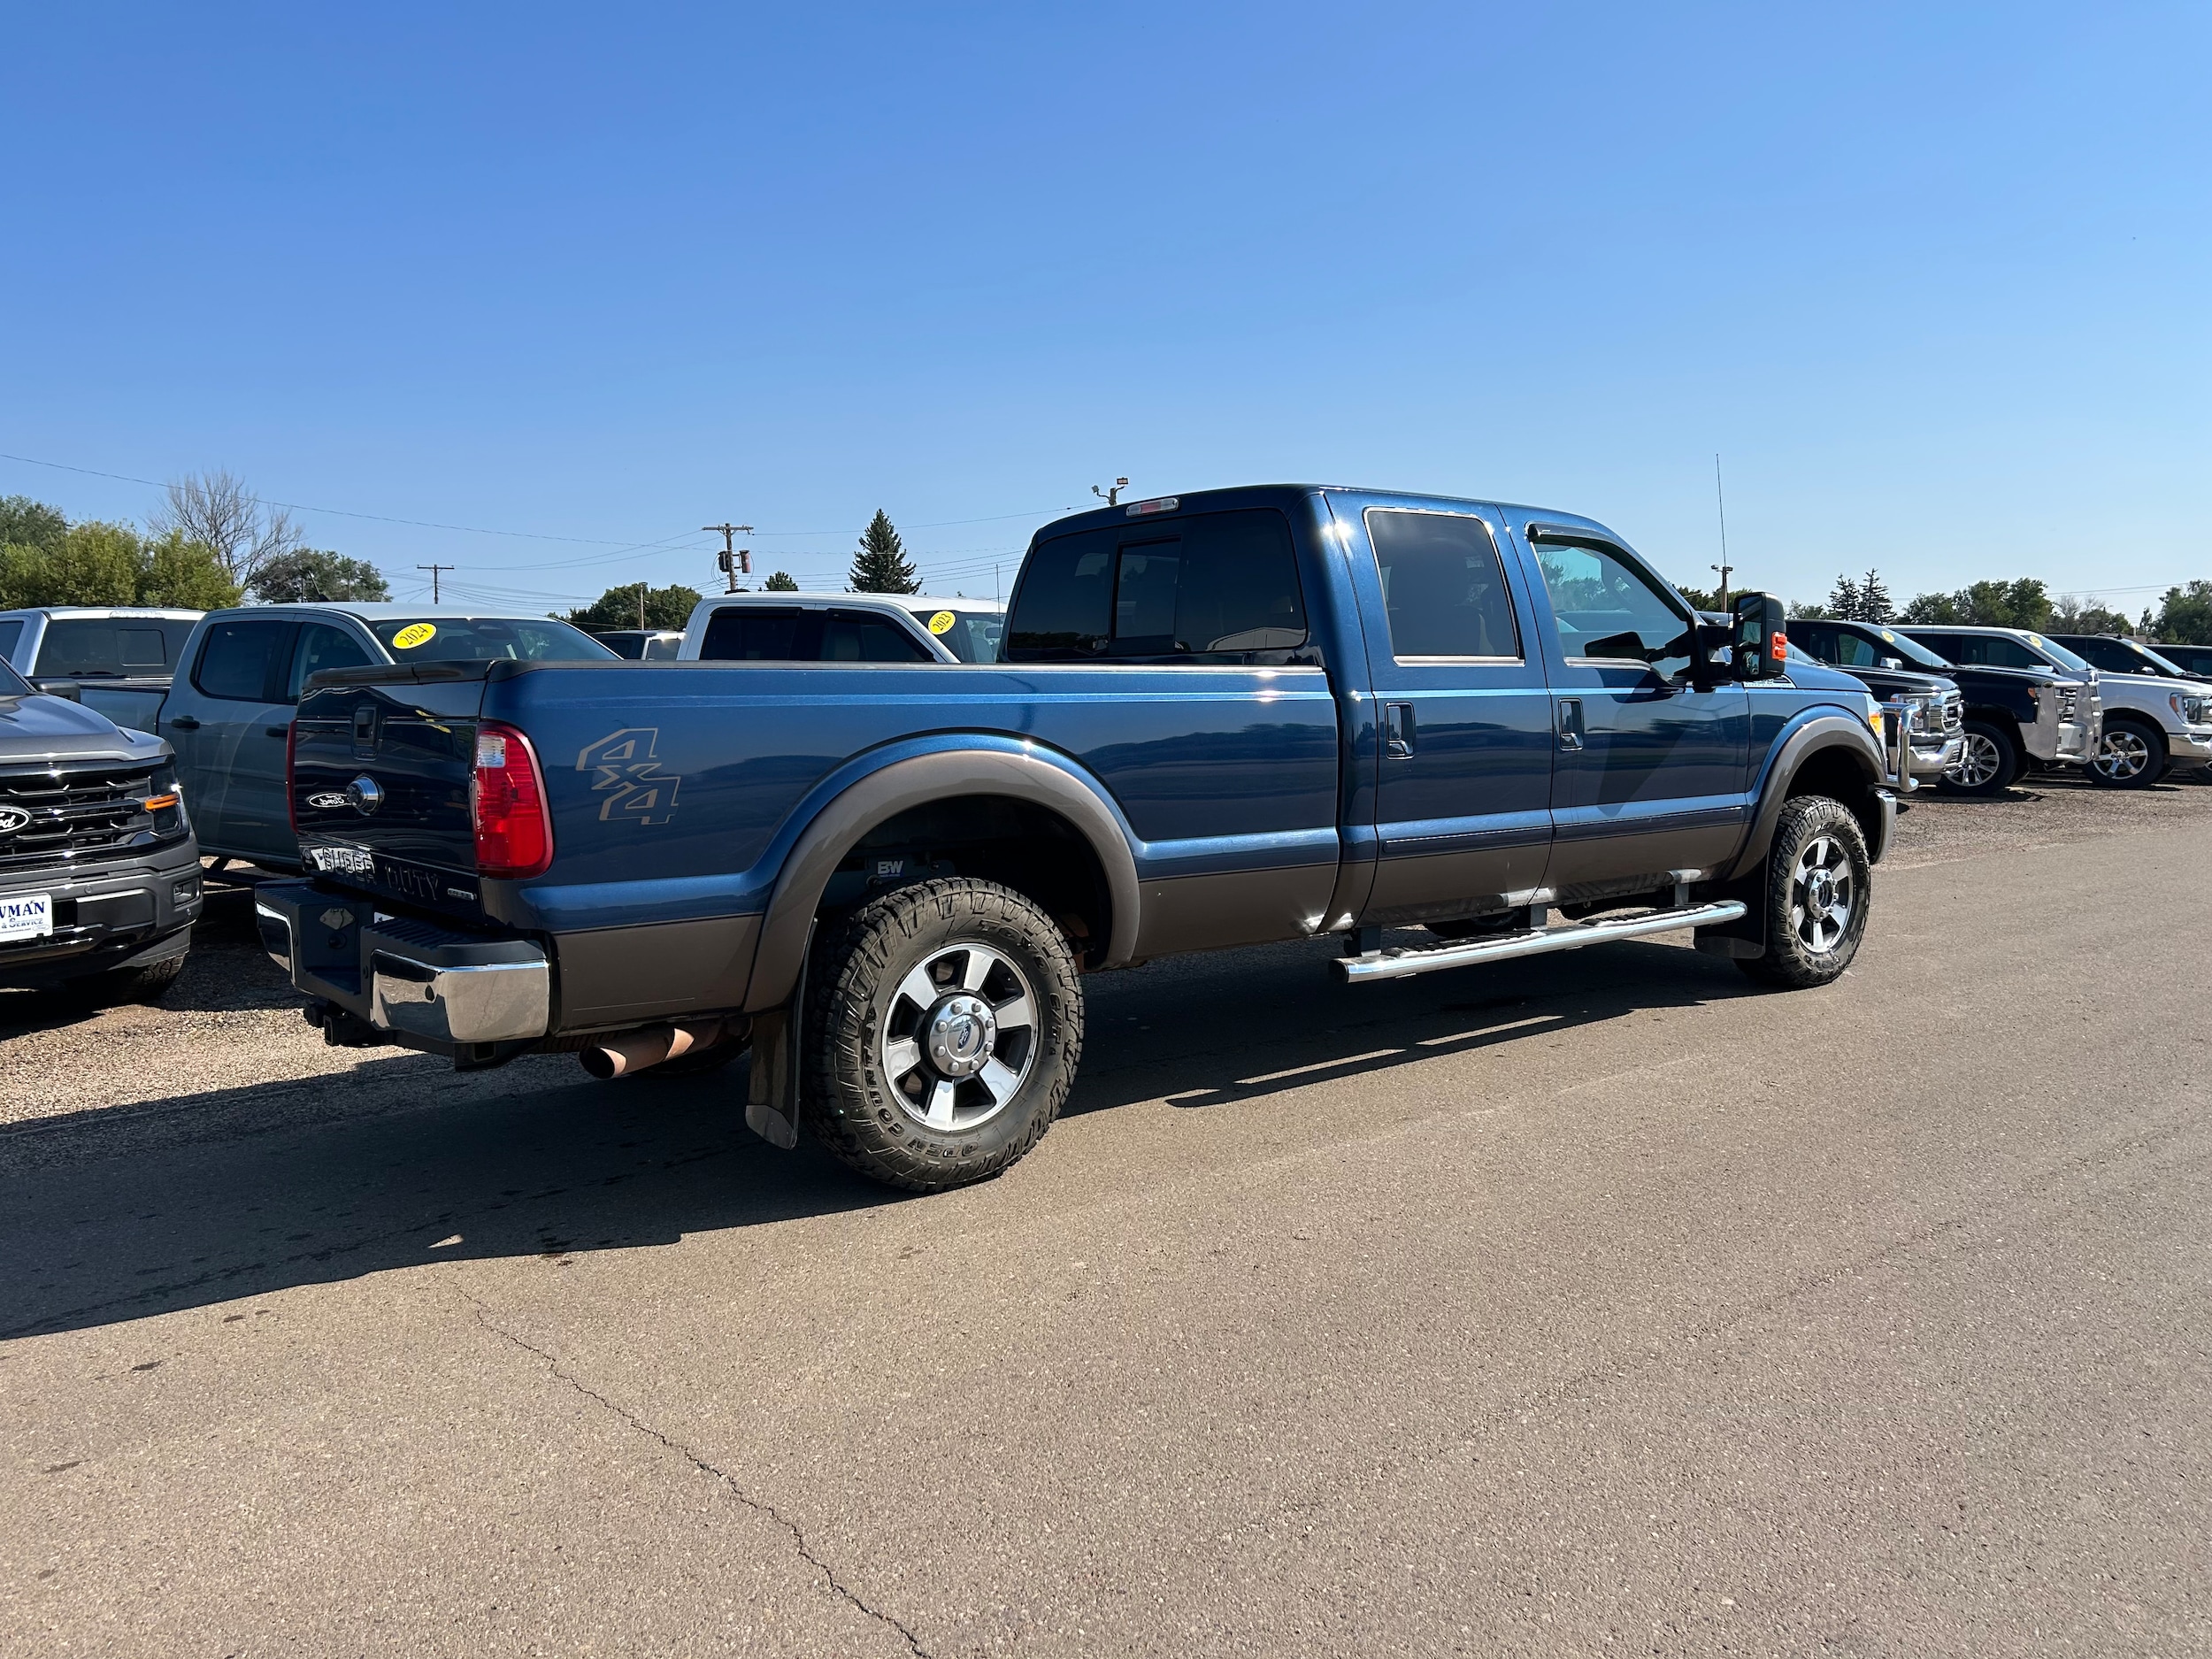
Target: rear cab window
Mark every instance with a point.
(1217, 588)
(112, 648)
(1443, 586)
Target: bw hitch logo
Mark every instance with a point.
(623, 771)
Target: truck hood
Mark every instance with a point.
(42, 728)
(1888, 682)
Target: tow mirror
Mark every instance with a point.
(1761, 638)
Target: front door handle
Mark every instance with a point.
(184, 723)
(1571, 722)
(1398, 729)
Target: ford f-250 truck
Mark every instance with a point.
(1246, 716)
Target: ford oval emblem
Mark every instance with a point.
(12, 818)
(328, 800)
(366, 793)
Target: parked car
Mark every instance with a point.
(2009, 716)
(117, 659)
(2194, 659)
(842, 628)
(1929, 707)
(229, 715)
(2108, 654)
(2146, 727)
(1245, 716)
(648, 645)
(99, 874)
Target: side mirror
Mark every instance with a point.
(1761, 638)
(68, 689)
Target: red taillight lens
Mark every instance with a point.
(514, 836)
(291, 781)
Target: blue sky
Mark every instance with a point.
(1933, 281)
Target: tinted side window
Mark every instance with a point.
(1064, 608)
(322, 646)
(1606, 608)
(1817, 642)
(236, 659)
(1854, 650)
(770, 634)
(1443, 584)
(1217, 585)
(1993, 651)
(11, 632)
(862, 636)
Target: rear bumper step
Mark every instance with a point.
(1402, 963)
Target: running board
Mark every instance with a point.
(1402, 963)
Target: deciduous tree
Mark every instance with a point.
(221, 514)
(618, 607)
(313, 575)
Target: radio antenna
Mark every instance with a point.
(1721, 500)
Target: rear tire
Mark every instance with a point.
(944, 1022)
(1815, 885)
(2131, 756)
(1988, 762)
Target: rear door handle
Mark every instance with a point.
(1571, 722)
(1398, 729)
(184, 723)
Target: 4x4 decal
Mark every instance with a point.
(624, 770)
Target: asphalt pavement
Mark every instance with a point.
(1591, 1304)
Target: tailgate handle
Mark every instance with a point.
(364, 730)
(276, 731)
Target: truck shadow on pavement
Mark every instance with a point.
(115, 1215)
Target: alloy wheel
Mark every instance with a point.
(1978, 762)
(2124, 756)
(1822, 894)
(957, 1040)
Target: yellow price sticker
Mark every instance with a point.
(415, 633)
(942, 623)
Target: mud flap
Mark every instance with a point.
(1744, 938)
(772, 1101)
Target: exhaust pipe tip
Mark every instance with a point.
(650, 1046)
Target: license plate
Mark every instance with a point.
(26, 916)
(353, 860)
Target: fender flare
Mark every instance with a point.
(1812, 733)
(970, 766)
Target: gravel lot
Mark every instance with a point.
(1593, 1303)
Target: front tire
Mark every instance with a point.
(1988, 762)
(117, 986)
(2129, 757)
(1815, 885)
(944, 1022)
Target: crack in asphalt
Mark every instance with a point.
(759, 1506)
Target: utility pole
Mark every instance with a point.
(1724, 567)
(434, 570)
(640, 607)
(1113, 496)
(733, 557)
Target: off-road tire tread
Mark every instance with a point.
(1786, 965)
(120, 986)
(847, 1106)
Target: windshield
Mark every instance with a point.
(113, 647)
(970, 635)
(480, 639)
(2152, 659)
(1912, 650)
(2059, 654)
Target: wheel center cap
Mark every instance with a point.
(962, 1035)
(1820, 893)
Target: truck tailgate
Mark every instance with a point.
(382, 760)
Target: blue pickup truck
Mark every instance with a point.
(1244, 715)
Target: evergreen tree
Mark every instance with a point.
(1844, 598)
(1874, 601)
(879, 564)
(781, 583)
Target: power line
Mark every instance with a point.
(434, 570)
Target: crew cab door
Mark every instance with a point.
(1648, 766)
(1463, 817)
(218, 714)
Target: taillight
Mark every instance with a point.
(514, 837)
(291, 785)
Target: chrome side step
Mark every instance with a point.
(1402, 963)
